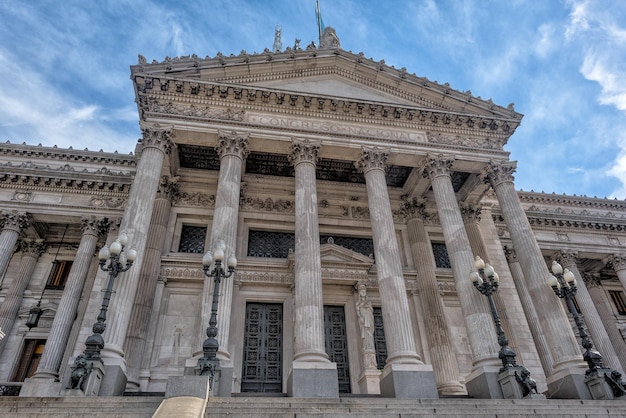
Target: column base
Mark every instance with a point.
(91, 387)
(568, 384)
(482, 383)
(408, 381)
(114, 381)
(313, 380)
(38, 387)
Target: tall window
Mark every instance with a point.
(617, 296)
(441, 255)
(192, 239)
(59, 274)
(29, 360)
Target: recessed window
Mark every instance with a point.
(270, 244)
(29, 360)
(59, 274)
(192, 239)
(441, 255)
(617, 296)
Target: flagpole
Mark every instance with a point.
(319, 20)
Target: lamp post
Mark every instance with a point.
(119, 260)
(486, 280)
(208, 364)
(563, 283)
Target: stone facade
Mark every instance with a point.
(338, 183)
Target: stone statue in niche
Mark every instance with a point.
(365, 313)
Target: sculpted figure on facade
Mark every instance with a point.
(365, 313)
(329, 38)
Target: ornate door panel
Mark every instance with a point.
(337, 344)
(379, 339)
(263, 349)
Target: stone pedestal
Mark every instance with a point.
(33, 387)
(189, 386)
(598, 386)
(511, 387)
(114, 380)
(408, 381)
(482, 383)
(313, 380)
(93, 384)
(568, 384)
(369, 382)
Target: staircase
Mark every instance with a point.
(261, 407)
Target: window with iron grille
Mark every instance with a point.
(59, 274)
(617, 296)
(379, 339)
(270, 244)
(441, 255)
(192, 239)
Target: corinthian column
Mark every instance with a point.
(592, 319)
(618, 262)
(31, 250)
(402, 358)
(445, 364)
(482, 382)
(56, 344)
(232, 149)
(148, 276)
(310, 360)
(12, 223)
(602, 304)
(567, 381)
(156, 142)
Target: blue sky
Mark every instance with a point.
(64, 67)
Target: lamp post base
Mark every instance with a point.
(568, 384)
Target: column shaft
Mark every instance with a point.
(31, 250)
(309, 304)
(444, 361)
(135, 224)
(565, 350)
(395, 306)
(478, 320)
(56, 344)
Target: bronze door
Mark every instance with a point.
(263, 349)
(337, 344)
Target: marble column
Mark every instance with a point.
(148, 276)
(531, 314)
(31, 249)
(442, 354)
(310, 361)
(156, 144)
(567, 380)
(602, 304)
(592, 319)
(403, 363)
(12, 223)
(50, 362)
(232, 148)
(482, 381)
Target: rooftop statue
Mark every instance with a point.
(329, 38)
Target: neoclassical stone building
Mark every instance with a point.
(354, 196)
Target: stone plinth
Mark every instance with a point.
(598, 386)
(408, 381)
(369, 382)
(93, 384)
(512, 388)
(568, 384)
(313, 380)
(188, 386)
(482, 383)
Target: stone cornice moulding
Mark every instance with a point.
(67, 154)
(336, 58)
(565, 200)
(232, 98)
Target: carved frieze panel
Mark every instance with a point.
(194, 199)
(469, 142)
(190, 110)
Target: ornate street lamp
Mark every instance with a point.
(119, 261)
(486, 280)
(208, 364)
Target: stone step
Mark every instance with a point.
(93, 407)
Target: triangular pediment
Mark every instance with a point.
(333, 253)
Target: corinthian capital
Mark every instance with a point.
(94, 225)
(566, 258)
(372, 158)
(470, 213)
(33, 247)
(437, 165)
(157, 136)
(499, 172)
(303, 151)
(15, 221)
(232, 143)
(168, 187)
(618, 262)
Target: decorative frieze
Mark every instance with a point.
(181, 273)
(195, 199)
(108, 202)
(267, 204)
(464, 141)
